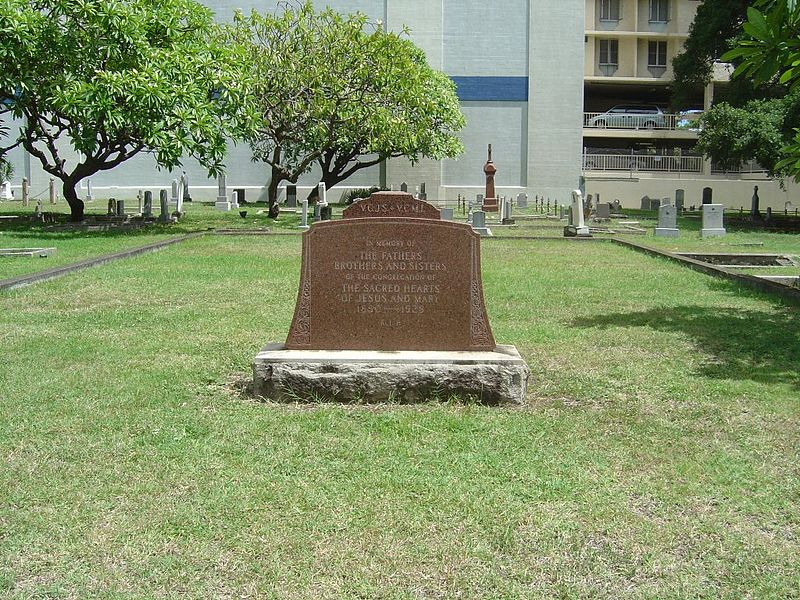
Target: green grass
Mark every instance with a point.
(76, 245)
(656, 456)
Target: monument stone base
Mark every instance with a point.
(572, 231)
(494, 377)
(667, 232)
(223, 203)
(712, 232)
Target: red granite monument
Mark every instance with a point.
(390, 306)
(391, 276)
(490, 203)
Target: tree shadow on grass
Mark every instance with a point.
(745, 344)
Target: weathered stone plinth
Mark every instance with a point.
(378, 376)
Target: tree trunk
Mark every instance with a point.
(272, 194)
(76, 205)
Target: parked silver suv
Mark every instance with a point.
(631, 116)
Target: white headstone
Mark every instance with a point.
(522, 200)
(304, 215)
(180, 195)
(234, 200)
(89, 195)
(713, 220)
(577, 214)
(26, 198)
(5, 191)
(667, 221)
(53, 194)
(323, 194)
(140, 198)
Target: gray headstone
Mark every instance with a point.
(112, 206)
(679, 199)
(147, 211)
(754, 212)
(447, 214)
(479, 223)
(162, 197)
(404, 187)
(603, 210)
(120, 208)
(708, 195)
(655, 204)
(222, 202)
(322, 196)
(317, 212)
(187, 197)
(422, 194)
(616, 206)
(291, 196)
(713, 220)
(522, 200)
(667, 222)
(645, 205)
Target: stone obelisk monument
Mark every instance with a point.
(490, 198)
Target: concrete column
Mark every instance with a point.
(555, 118)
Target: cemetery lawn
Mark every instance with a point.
(656, 455)
(74, 245)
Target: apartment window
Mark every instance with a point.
(609, 56)
(659, 11)
(657, 58)
(657, 54)
(609, 10)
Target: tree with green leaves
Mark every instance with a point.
(767, 53)
(413, 112)
(713, 32)
(336, 90)
(114, 79)
(758, 130)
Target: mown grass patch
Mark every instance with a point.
(656, 455)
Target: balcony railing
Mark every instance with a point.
(660, 121)
(749, 168)
(643, 162)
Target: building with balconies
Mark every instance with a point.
(633, 145)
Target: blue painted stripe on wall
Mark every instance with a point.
(501, 89)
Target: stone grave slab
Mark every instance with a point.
(390, 306)
(390, 284)
(713, 220)
(667, 222)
